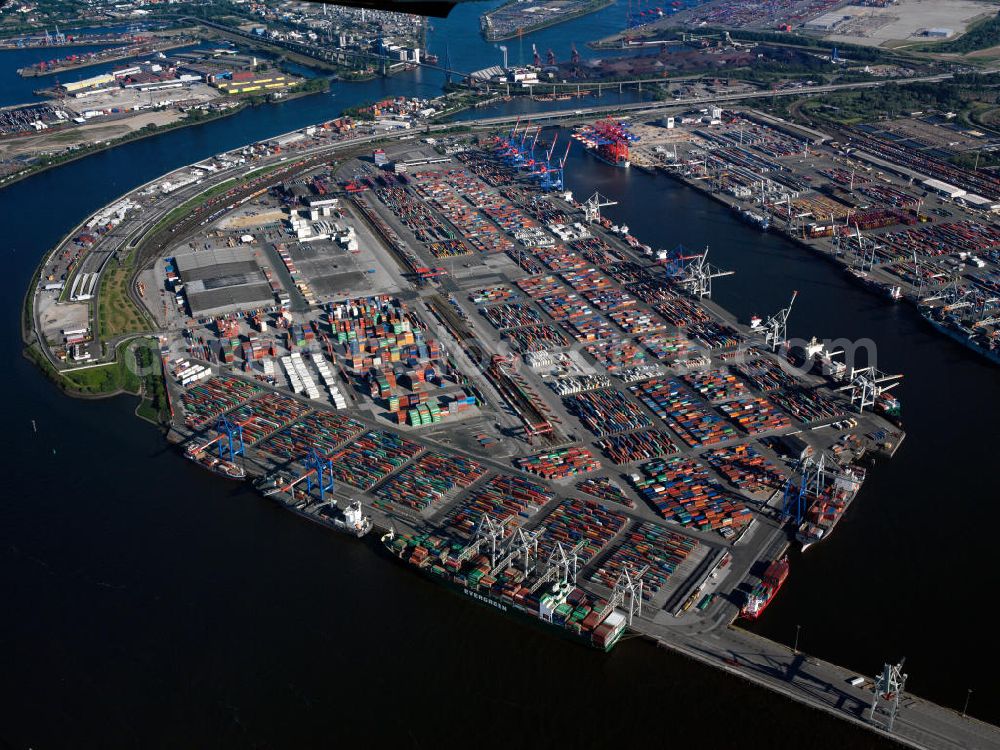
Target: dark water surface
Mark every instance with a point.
(150, 604)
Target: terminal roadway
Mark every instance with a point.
(919, 723)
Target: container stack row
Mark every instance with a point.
(266, 415)
(607, 412)
(573, 521)
(686, 415)
(371, 457)
(755, 415)
(746, 469)
(559, 464)
(206, 401)
(716, 385)
(320, 430)
(637, 446)
(503, 496)
(682, 490)
(646, 544)
(430, 479)
(604, 489)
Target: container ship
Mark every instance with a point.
(200, 454)
(556, 605)
(826, 510)
(976, 335)
(892, 291)
(608, 140)
(350, 520)
(765, 591)
(761, 221)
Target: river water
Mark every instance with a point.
(148, 603)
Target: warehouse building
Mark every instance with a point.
(944, 189)
(222, 281)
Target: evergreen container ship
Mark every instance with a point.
(556, 605)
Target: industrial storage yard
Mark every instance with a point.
(899, 23)
(448, 306)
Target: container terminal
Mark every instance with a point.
(884, 200)
(526, 403)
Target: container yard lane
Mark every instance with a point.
(543, 418)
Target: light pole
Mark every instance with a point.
(795, 648)
(966, 706)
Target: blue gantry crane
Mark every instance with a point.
(233, 433)
(322, 467)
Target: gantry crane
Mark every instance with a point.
(593, 205)
(561, 566)
(693, 272)
(889, 688)
(867, 384)
(775, 328)
(628, 584)
(521, 545)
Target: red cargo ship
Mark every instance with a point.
(765, 591)
(608, 140)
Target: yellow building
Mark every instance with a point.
(265, 83)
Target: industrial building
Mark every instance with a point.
(223, 280)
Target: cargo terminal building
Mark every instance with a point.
(224, 280)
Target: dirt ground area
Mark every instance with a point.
(905, 21)
(81, 135)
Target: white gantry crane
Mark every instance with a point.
(520, 546)
(867, 384)
(775, 328)
(628, 590)
(561, 567)
(864, 251)
(593, 205)
(489, 533)
(889, 687)
(693, 272)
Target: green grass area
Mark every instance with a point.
(137, 369)
(120, 375)
(893, 100)
(154, 406)
(117, 314)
